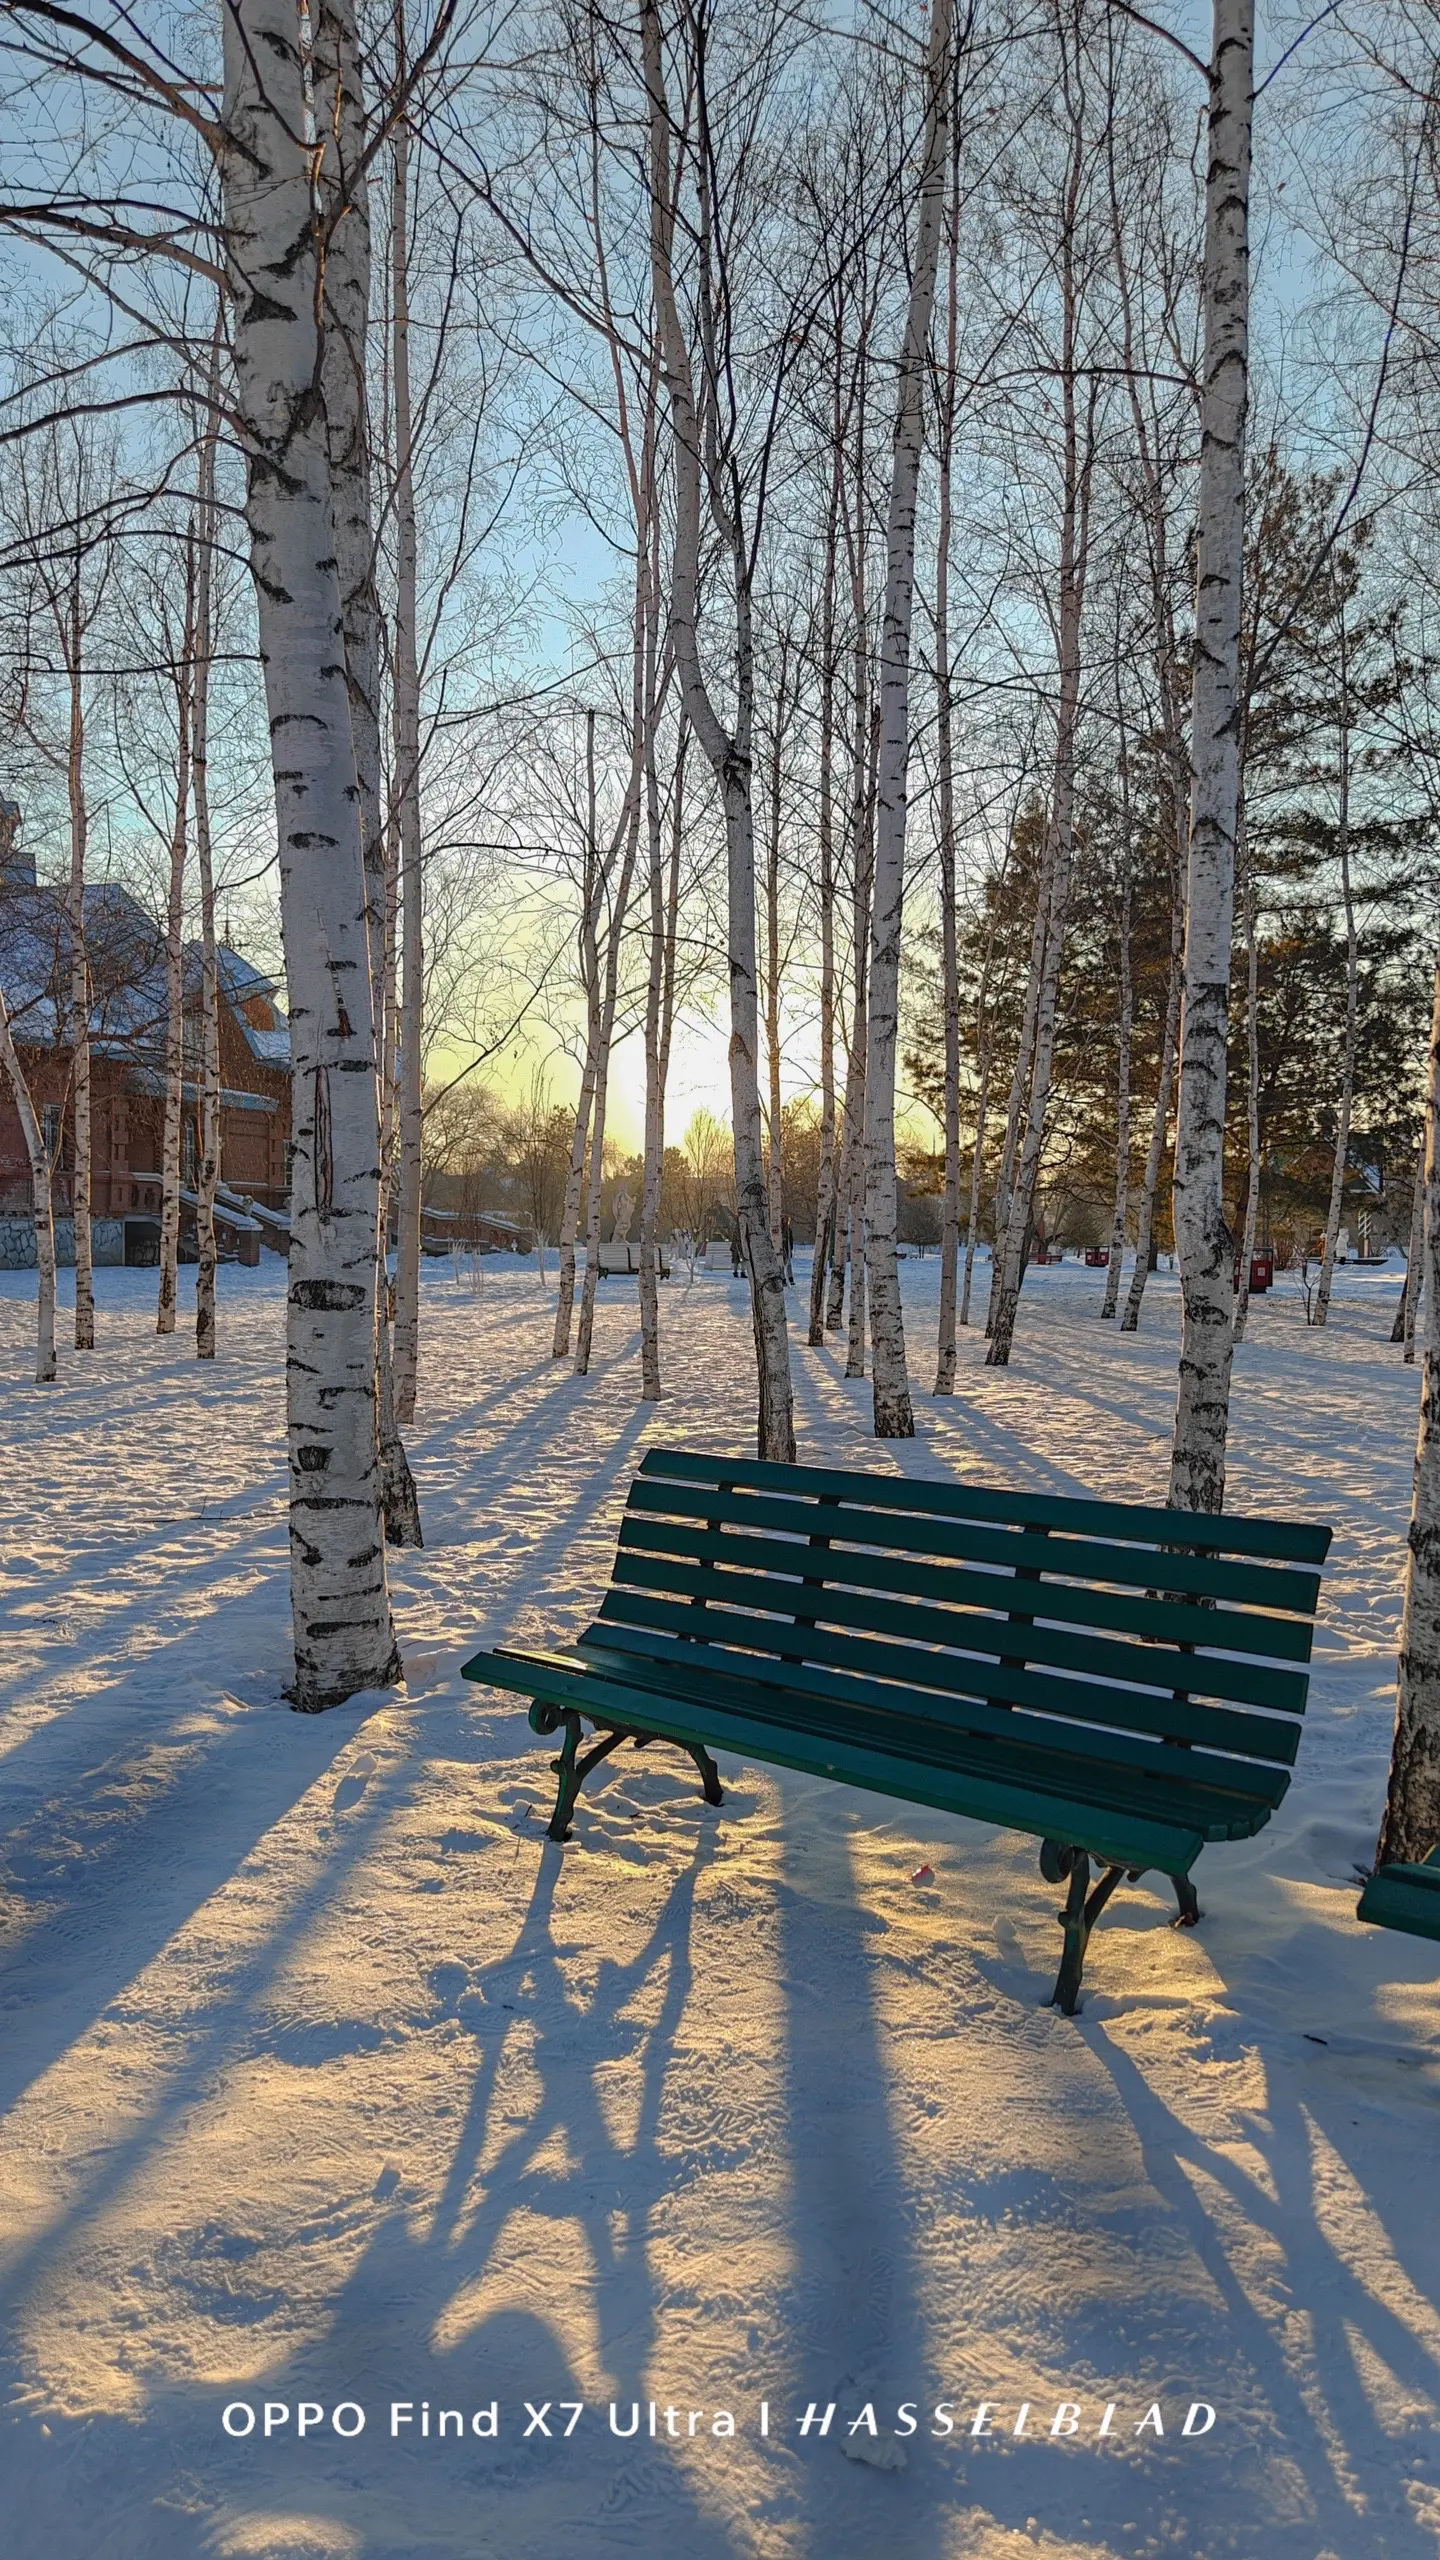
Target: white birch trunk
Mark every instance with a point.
(175, 968)
(1411, 1825)
(341, 119)
(977, 1163)
(659, 1022)
(825, 1186)
(207, 1173)
(80, 1190)
(344, 1637)
(1020, 1081)
(40, 1188)
(862, 848)
(729, 755)
(592, 892)
(407, 783)
(1125, 1028)
(945, 752)
(1252, 1080)
(1352, 999)
(1206, 1247)
(1410, 1295)
(894, 1415)
(584, 1331)
(854, 1195)
(1159, 1122)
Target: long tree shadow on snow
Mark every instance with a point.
(1324, 2417)
(595, 2197)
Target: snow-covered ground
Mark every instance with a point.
(326, 2081)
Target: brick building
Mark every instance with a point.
(127, 1083)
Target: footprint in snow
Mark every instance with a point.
(353, 1785)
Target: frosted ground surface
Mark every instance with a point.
(324, 2079)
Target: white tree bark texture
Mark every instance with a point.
(406, 679)
(1124, 1031)
(184, 673)
(945, 755)
(79, 978)
(344, 1635)
(729, 752)
(894, 1416)
(1252, 1075)
(207, 1173)
(1411, 1824)
(339, 93)
(1409, 1307)
(1352, 1002)
(1206, 1246)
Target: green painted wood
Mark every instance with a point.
(1084, 1558)
(1116, 1835)
(689, 1666)
(1145, 1711)
(1286, 1639)
(1405, 1898)
(1202, 1787)
(1301, 1542)
(980, 1602)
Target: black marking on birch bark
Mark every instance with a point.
(310, 1458)
(324, 1152)
(327, 1297)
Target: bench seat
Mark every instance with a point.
(1124, 1683)
(1404, 1897)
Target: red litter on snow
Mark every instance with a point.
(923, 1875)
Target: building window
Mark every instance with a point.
(52, 1132)
(188, 1171)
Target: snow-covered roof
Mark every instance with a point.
(126, 952)
(252, 994)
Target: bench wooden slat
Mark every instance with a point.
(690, 1666)
(1080, 1603)
(1139, 1839)
(1220, 1533)
(980, 1602)
(919, 1628)
(1133, 1566)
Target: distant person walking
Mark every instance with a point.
(736, 1265)
(787, 1251)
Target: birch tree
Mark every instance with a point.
(170, 1145)
(1411, 1825)
(207, 1174)
(894, 1417)
(406, 682)
(344, 1636)
(945, 754)
(1197, 1465)
(700, 471)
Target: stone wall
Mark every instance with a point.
(17, 1242)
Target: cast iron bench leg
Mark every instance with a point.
(709, 1774)
(574, 1766)
(1079, 1916)
(1189, 1911)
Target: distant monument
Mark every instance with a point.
(624, 1212)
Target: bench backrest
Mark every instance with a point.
(1184, 1629)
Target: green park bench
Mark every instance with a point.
(1401, 1897)
(1124, 1683)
